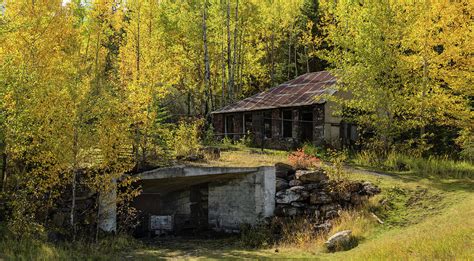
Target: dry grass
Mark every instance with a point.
(299, 234)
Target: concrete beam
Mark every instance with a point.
(181, 172)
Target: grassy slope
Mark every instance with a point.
(427, 219)
(431, 219)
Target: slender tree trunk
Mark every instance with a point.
(224, 96)
(296, 61)
(138, 44)
(4, 171)
(75, 150)
(307, 59)
(234, 59)
(189, 103)
(207, 69)
(97, 219)
(272, 58)
(289, 55)
(425, 68)
(240, 61)
(229, 57)
(97, 49)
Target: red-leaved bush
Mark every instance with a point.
(301, 160)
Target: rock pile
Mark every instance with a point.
(311, 192)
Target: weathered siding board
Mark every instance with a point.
(276, 123)
(318, 121)
(296, 124)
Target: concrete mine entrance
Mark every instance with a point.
(188, 199)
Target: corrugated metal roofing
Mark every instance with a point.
(300, 91)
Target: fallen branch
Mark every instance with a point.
(376, 218)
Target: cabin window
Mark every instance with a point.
(267, 124)
(229, 126)
(247, 123)
(287, 123)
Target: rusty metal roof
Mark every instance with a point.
(300, 91)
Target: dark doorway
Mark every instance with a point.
(229, 126)
(199, 206)
(306, 123)
(287, 123)
(247, 123)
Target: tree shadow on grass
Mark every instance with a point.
(447, 184)
(441, 183)
(224, 248)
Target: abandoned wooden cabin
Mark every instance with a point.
(287, 115)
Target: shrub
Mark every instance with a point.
(337, 160)
(209, 137)
(300, 160)
(312, 150)
(466, 142)
(186, 138)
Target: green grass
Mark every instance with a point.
(32, 249)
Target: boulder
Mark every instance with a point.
(330, 207)
(281, 184)
(311, 176)
(298, 204)
(331, 214)
(324, 227)
(344, 195)
(300, 190)
(356, 199)
(283, 170)
(354, 186)
(287, 211)
(339, 241)
(312, 211)
(295, 182)
(311, 186)
(288, 195)
(369, 189)
(319, 197)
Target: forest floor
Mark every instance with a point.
(426, 217)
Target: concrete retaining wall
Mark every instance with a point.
(242, 201)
